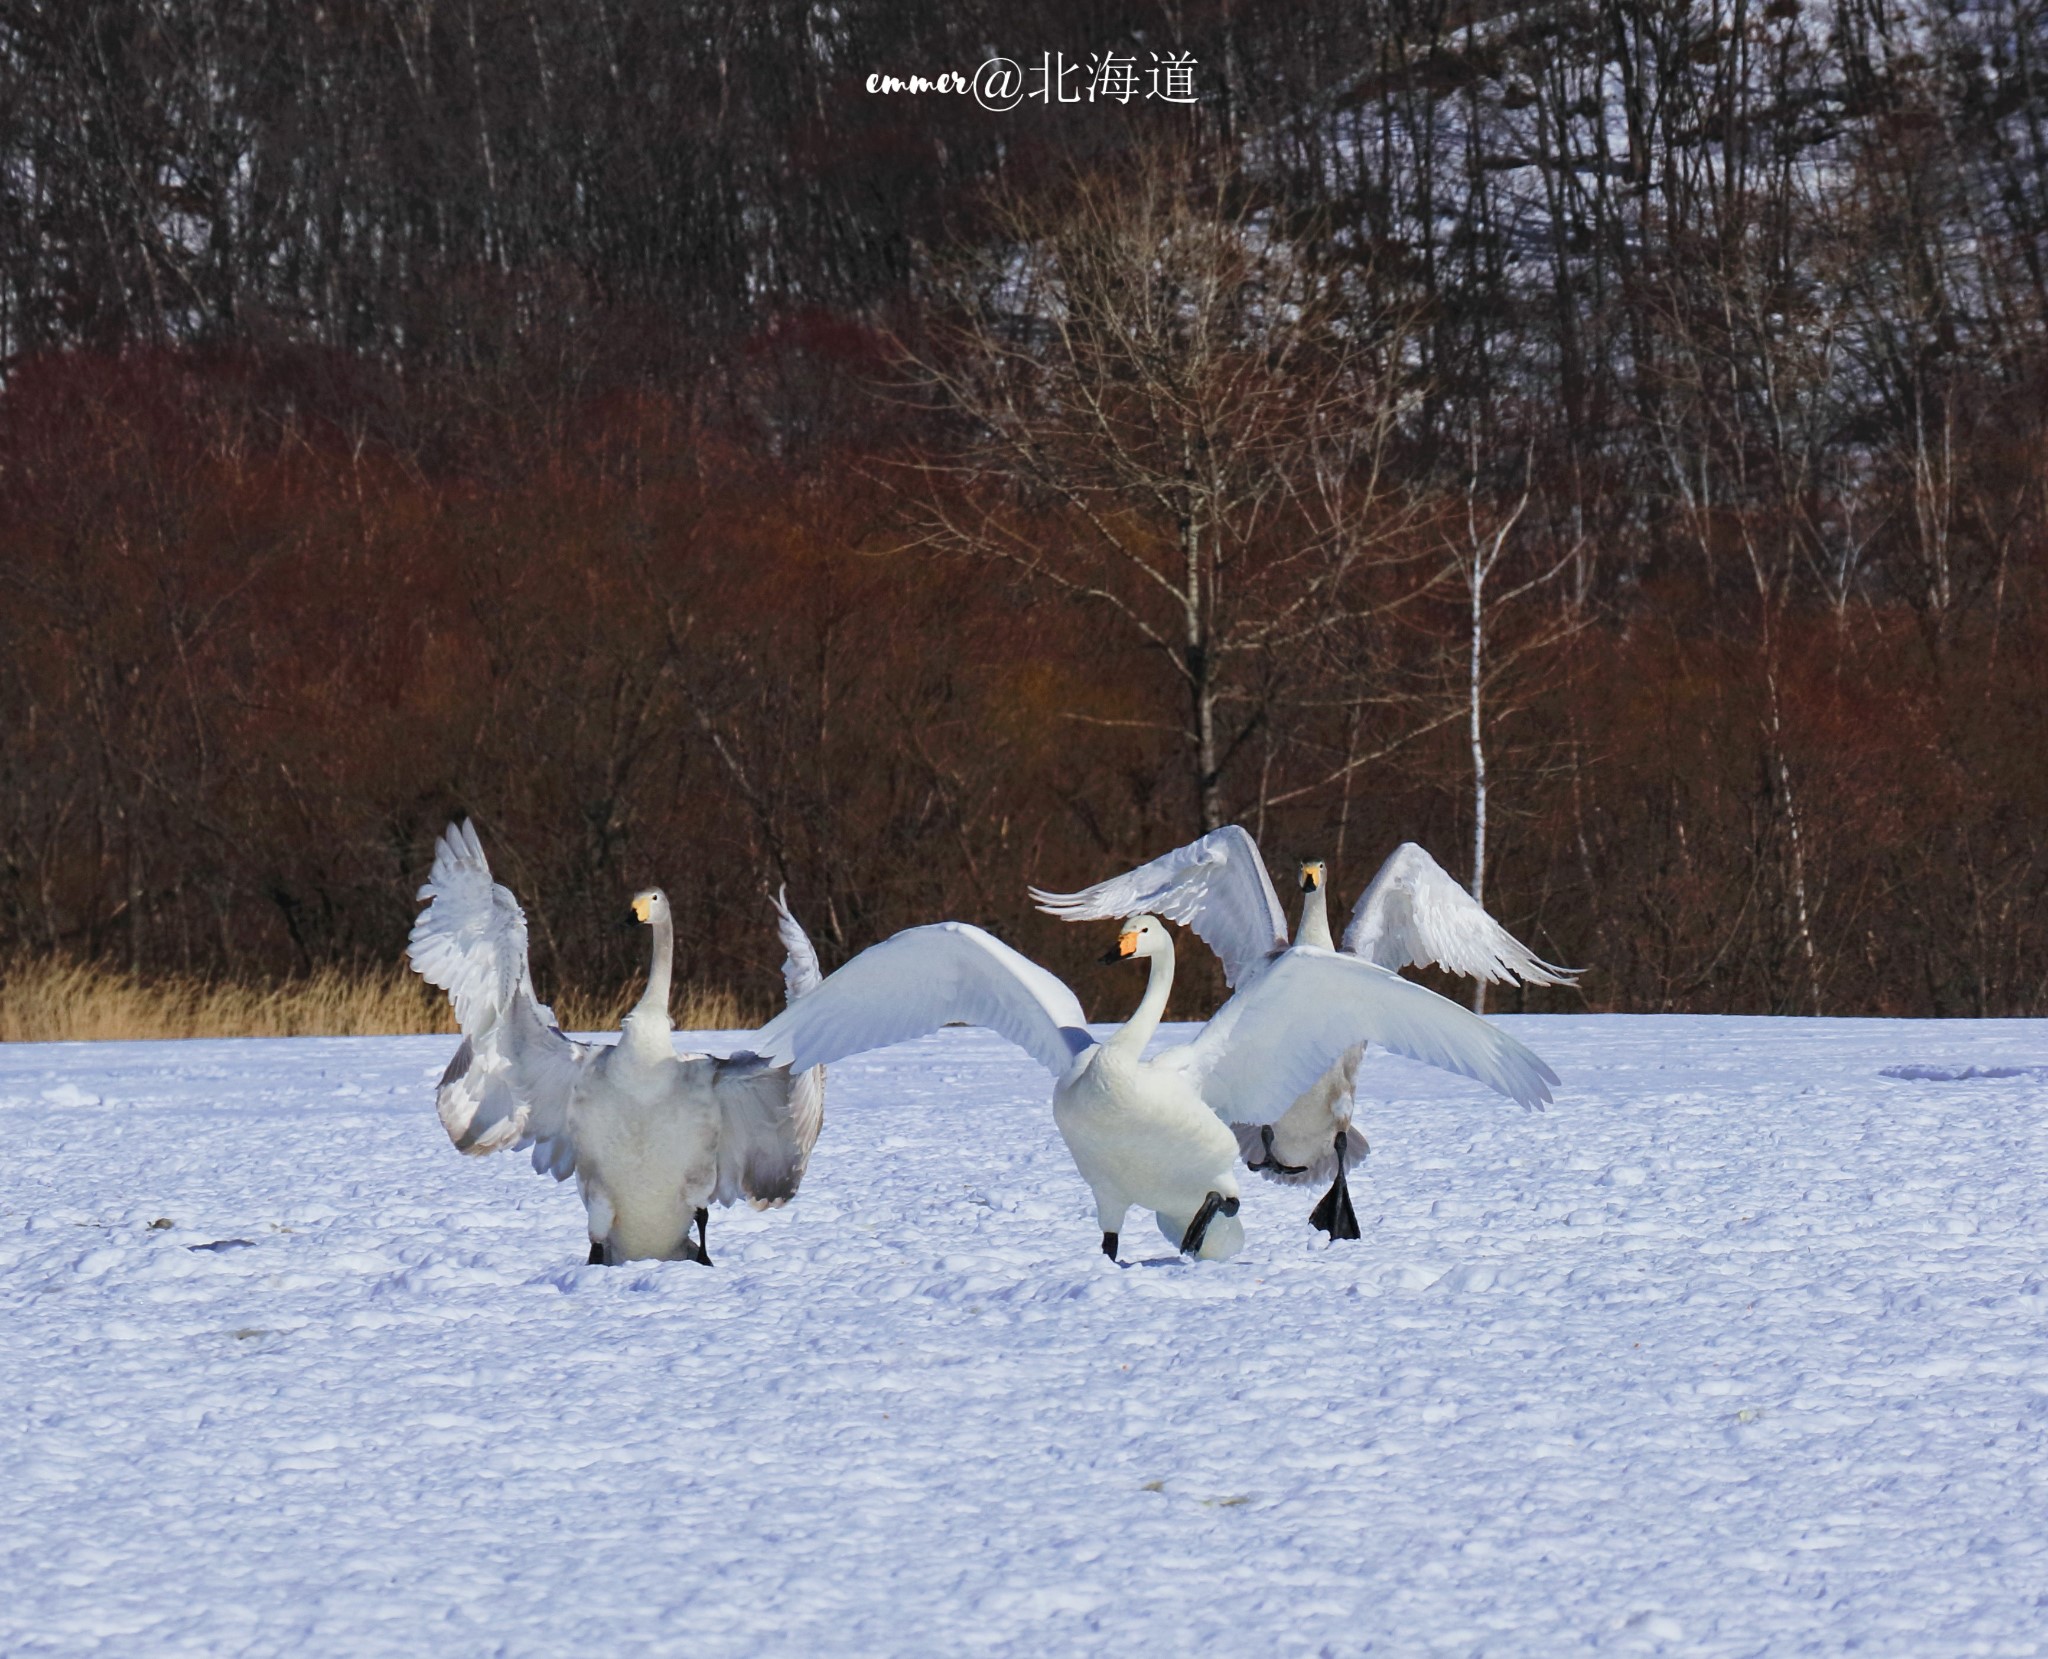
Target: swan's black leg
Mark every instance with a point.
(1109, 1245)
(1268, 1161)
(1334, 1214)
(703, 1235)
(1213, 1205)
(596, 1253)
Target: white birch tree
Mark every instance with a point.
(1479, 549)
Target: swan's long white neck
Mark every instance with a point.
(1138, 1029)
(649, 1019)
(1315, 918)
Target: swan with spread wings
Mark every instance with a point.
(652, 1136)
(1149, 1133)
(1414, 914)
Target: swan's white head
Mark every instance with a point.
(1313, 873)
(650, 905)
(1142, 936)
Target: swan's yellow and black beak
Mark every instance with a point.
(643, 908)
(1126, 947)
(1312, 874)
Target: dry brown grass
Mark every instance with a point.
(695, 1008)
(60, 1000)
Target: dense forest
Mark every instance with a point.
(1622, 424)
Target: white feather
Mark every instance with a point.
(799, 960)
(514, 1076)
(949, 973)
(1217, 886)
(1275, 1040)
(1414, 915)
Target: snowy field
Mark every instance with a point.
(1740, 1349)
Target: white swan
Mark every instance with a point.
(1414, 914)
(652, 1136)
(1150, 1133)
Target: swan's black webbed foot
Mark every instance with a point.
(1109, 1245)
(1334, 1214)
(596, 1253)
(1269, 1161)
(1213, 1205)
(703, 1235)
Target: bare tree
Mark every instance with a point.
(1750, 433)
(1480, 549)
(1161, 411)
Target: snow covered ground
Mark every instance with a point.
(1738, 1350)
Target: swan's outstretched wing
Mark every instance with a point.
(1217, 886)
(920, 979)
(768, 1118)
(762, 1149)
(1269, 1044)
(1415, 915)
(800, 977)
(511, 1080)
(799, 959)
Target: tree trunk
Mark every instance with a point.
(1478, 735)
